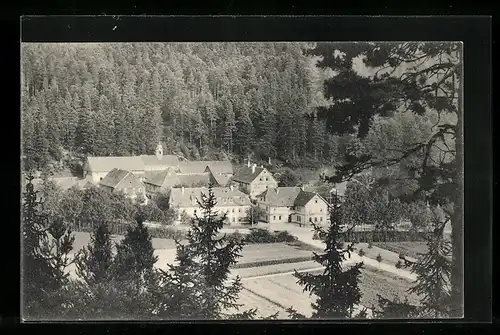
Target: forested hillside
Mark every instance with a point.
(204, 101)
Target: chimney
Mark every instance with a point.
(231, 187)
(269, 161)
(261, 166)
(248, 163)
(182, 190)
(302, 187)
(277, 191)
(253, 168)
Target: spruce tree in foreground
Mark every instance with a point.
(119, 287)
(336, 290)
(94, 262)
(433, 283)
(198, 286)
(46, 247)
(433, 270)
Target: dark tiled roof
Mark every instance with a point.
(114, 177)
(159, 177)
(225, 196)
(303, 198)
(192, 180)
(221, 180)
(281, 196)
(244, 174)
(103, 164)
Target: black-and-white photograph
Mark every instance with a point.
(241, 181)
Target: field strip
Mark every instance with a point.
(265, 298)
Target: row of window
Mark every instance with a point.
(311, 219)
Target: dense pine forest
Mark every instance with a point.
(202, 100)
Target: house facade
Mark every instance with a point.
(253, 180)
(294, 205)
(154, 168)
(118, 180)
(229, 200)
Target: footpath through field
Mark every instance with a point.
(305, 234)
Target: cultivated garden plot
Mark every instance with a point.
(284, 291)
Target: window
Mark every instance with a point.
(195, 211)
(266, 218)
(274, 217)
(232, 210)
(315, 219)
(260, 179)
(239, 219)
(266, 186)
(239, 210)
(316, 201)
(321, 209)
(234, 219)
(321, 219)
(298, 218)
(279, 217)
(100, 178)
(267, 179)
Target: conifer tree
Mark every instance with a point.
(94, 262)
(46, 246)
(336, 290)
(433, 270)
(135, 257)
(202, 274)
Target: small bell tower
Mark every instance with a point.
(159, 151)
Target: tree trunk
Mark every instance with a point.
(457, 272)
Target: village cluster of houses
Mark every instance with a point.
(236, 188)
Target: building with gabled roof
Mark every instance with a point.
(294, 205)
(231, 201)
(118, 180)
(96, 168)
(253, 179)
(166, 179)
(197, 167)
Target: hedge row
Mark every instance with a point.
(379, 236)
(272, 262)
(121, 229)
(167, 232)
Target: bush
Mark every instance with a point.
(379, 258)
(285, 236)
(260, 235)
(370, 245)
(361, 252)
(399, 265)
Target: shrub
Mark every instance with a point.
(379, 258)
(236, 236)
(285, 236)
(361, 252)
(260, 235)
(399, 264)
(370, 245)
